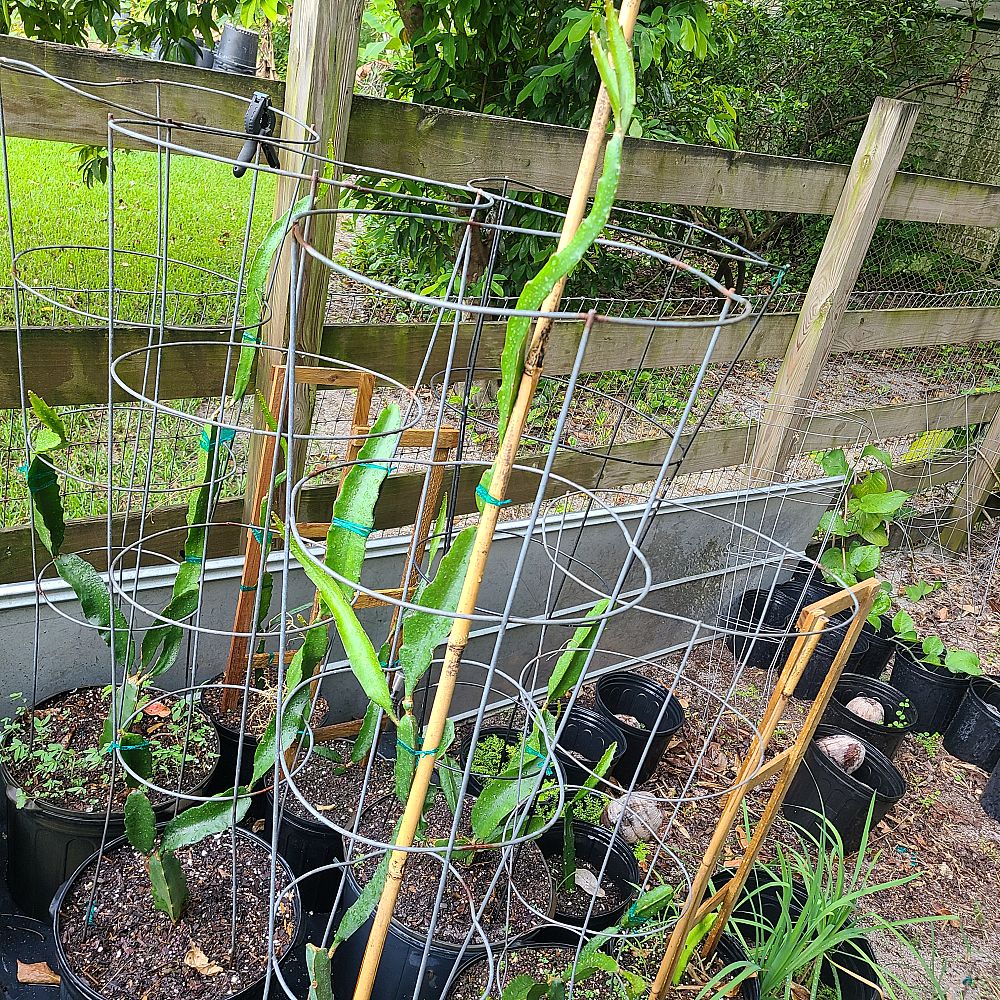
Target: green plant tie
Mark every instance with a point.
(250, 338)
(375, 465)
(258, 536)
(632, 917)
(91, 911)
(484, 494)
(115, 745)
(246, 590)
(193, 560)
(358, 529)
(532, 752)
(416, 753)
(226, 436)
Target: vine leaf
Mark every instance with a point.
(424, 631)
(168, 883)
(358, 647)
(168, 636)
(570, 665)
(357, 496)
(253, 302)
(136, 753)
(500, 797)
(53, 434)
(94, 598)
(211, 817)
(43, 486)
(406, 732)
(366, 738)
(140, 822)
(318, 967)
(361, 909)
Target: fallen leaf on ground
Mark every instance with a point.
(942, 614)
(953, 922)
(588, 882)
(36, 974)
(158, 709)
(196, 959)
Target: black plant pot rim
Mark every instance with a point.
(597, 721)
(669, 723)
(872, 755)
(979, 685)
(97, 817)
(941, 674)
(79, 984)
(858, 683)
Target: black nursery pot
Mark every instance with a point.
(991, 795)
(850, 969)
(886, 738)
(974, 733)
(881, 646)
(236, 51)
(755, 648)
(306, 845)
(935, 692)
(72, 987)
(632, 694)
(821, 787)
(589, 735)
(782, 615)
(593, 843)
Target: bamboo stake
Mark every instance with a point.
(459, 637)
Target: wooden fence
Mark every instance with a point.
(455, 146)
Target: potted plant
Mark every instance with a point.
(56, 758)
(873, 710)
(934, 677)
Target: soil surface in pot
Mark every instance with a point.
(423, 872)
(629, 720)
(133, 950)
(543, 963)
(642, 957)
(260, 705)
(66, 766)
(575, 901)
(334, 789)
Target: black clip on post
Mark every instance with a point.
(260, 120)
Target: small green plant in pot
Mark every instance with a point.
(932, 651)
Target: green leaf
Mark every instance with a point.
(518, 988)
(95, 600)
(424, 631)
(963, 661)
(903, 626)
(695, 936)
(43, 485)
(569, 666)
(883, 503)
(201, 821)
(832, 523)
(448, 777)
(138, 755)
(932, 647)
(253, 301)
(54, 434)
(500, 797)
(834, 463)
(835, 568)
(170, 637)
(366, 737)
(318, 967)
(356, 499)
(357, 645)
(361, 909)
(651, 904)
(873, 482)
(140, 822)
(168, 884)
(864, 559)
(871, 451)
(405, 765)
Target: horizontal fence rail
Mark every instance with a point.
(458, 146)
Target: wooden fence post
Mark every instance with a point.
(861, 203)
(982, 480)
(322, 62)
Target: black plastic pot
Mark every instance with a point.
(593, 843)
(755, 647)
(588, 734)
(935, 692)
(236, 50)
(47, 843)
(72, 987)
(401, 958)
(782, 615)
(848, 970)
(306, 844)
(881, 647)
(886, 738)
(821, 788)
(644, 699)
(991, 795)
(974, 733)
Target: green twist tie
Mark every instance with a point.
(115, 745)
(258, 536)
(484, 494)
(357, 529)
(415, 753)
(193, 560)
(532, 752)
(246, 590)
(375, 465)
(632, 917)
(250, 338)
(226, 436)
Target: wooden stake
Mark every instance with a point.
(812, 621)
(459, 636)
(858, 211)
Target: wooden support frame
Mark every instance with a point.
(983, 479)
(258, 488)
(755, 770)
(876, 161)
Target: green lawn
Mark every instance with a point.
(207, 212)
